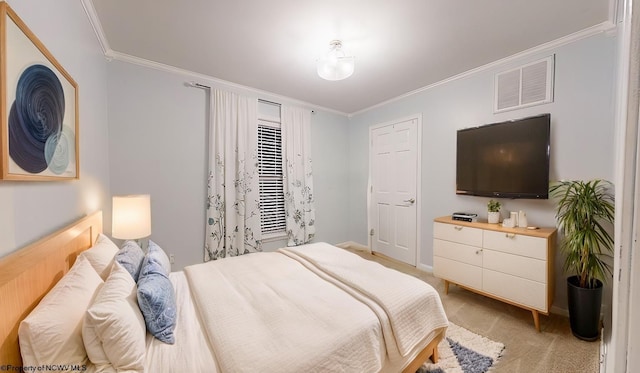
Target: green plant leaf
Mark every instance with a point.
(493, 206)
(585, 214)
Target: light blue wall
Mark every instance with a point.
(330, 150)
(31, 210)
(582, 137)
(157, 145)
(157, 137)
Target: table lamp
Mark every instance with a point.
(131, 217)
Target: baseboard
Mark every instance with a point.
(352, 245)
(559, 311)
(425, 268)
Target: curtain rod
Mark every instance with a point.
(269, 102)
(277, 104)
(197, 85)
(202, 86)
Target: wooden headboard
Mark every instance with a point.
(29, 273)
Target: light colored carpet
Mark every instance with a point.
(554, 349)
(463, 351)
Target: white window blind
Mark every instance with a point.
(272, 212)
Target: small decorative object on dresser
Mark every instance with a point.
(522, 219)
(513, 265)
(514, 219)
(508, 223)
(493, 211)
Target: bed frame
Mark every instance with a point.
(29, 273)
(431, 351)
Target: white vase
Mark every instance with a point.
(522, 219)
(514, 218)
(493, 217)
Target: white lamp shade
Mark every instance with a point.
(131, 217)
(335, 65)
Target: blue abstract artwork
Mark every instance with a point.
(36, 137)
(39, 114)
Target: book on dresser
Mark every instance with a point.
(513, 265)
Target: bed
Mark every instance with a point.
(341, 322)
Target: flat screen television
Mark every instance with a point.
(505, 160)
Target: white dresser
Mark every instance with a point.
(513, 265)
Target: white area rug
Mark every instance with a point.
(463, 351)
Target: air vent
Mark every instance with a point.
(527, 85)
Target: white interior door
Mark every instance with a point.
(394, 177)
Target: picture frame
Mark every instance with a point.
(39, 138)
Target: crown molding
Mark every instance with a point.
(616, 9)
(604, 27)
(90, 10)
(608, 26)
(110, 54)
(123, 57)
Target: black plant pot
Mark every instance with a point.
(584, 309)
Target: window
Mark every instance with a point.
(272, 213)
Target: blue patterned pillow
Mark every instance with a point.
(130, 256)
(157, 253)
(157, 300)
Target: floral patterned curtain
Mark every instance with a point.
(233, 215)
(298, 177)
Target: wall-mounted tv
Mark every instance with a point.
(505, 160)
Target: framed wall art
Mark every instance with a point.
(38, 107)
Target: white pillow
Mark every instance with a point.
(52, 332)
(101, 255)
(114, 331)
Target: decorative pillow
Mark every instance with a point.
(52, 332)
(157, 300)
(131, 257)
(113, 331)
(160, 255)
(101, 255)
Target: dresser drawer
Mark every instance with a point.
(458, 233)
(458, 252)
(460, 273)
(532, 247)
(515, 289)
(520, 266)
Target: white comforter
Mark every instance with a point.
(315, 308)
(413, 309)
(191, 352)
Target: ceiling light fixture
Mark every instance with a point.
(335, 65)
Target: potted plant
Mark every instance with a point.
(493, 211)
(585, 214)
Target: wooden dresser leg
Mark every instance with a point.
(446, 287)
(536, 319)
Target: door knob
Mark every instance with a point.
(411, 200)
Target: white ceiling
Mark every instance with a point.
(400, 46)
